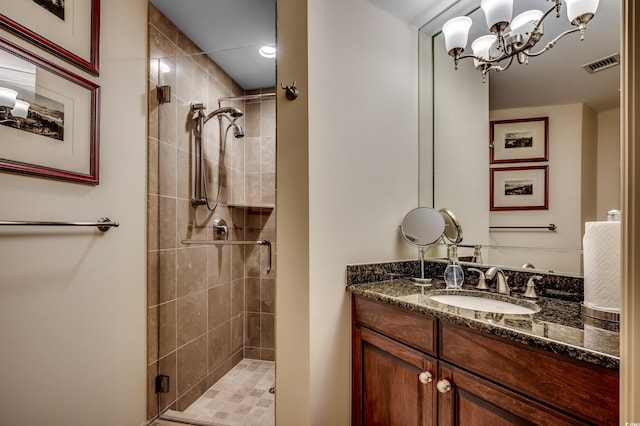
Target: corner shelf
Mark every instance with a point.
(251, 206)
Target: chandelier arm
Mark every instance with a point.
(554, 41)
(557, 5)
(470, 56)
(498, 68)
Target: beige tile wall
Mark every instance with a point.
(208, 306)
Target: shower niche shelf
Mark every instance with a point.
(251, 206)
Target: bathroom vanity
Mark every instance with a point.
(418, 362)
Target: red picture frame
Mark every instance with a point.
(520, 140)
(82, 137)
(88, 63)
(519, 188)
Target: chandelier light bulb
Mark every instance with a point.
(581, 11)
(498, 13)
(456, 33)
(524, 23)
(512, 39)
(482, 48)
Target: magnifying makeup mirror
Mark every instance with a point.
(422, 227)
(452, 228)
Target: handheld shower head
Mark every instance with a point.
(237, 130)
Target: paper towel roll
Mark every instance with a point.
(601, 248)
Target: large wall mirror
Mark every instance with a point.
(583, 158)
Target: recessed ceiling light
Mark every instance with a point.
(268, 51)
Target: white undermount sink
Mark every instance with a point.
(484, 305)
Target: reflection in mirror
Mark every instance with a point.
(452, 227)
(583, 161)
(18, 105)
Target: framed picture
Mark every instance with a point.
(69, 29)
(48, 118)
(523, 140)
(519, 188)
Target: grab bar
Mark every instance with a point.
(550, 227)
(103, 223)
(233, 243)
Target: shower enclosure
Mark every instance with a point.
(210, 306)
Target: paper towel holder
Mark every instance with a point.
(599, 313)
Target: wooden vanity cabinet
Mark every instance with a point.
(475, 379)
(390, 390)
(392, 381)
(472, 400)
(584, 391)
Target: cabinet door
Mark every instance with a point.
(465, 399)
(586, 391)
(393, 384)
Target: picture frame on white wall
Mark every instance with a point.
(68, 29)
(519, 188)
(49, 118)
(520, 140)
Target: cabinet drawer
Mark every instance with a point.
(414, 329)
(586, 391)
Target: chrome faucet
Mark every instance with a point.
(482, 283)
(530, 290)
(501, 279)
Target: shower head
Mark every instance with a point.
(237, 130)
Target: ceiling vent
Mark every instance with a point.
(602, 64)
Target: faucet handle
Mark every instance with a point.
(482, 282)
(530, 291)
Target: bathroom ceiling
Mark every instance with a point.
(230, 31)
(554, 78)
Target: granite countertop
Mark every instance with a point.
(558, 327)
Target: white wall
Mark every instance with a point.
(363, 177)
(425, 120)
(72, 301)
(461, 135)
(565, 201)
(608, 162)
(588, 166)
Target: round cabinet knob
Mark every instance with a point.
(425, 377)
(443, 386)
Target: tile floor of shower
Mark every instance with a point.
(240, 397)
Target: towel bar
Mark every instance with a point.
(232, 243)
(103, 223)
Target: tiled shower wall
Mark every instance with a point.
(208, 306)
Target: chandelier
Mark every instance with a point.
(511, 38)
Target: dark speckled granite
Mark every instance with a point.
(563, 287)
(558, 327)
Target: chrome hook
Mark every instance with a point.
(291, 92)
